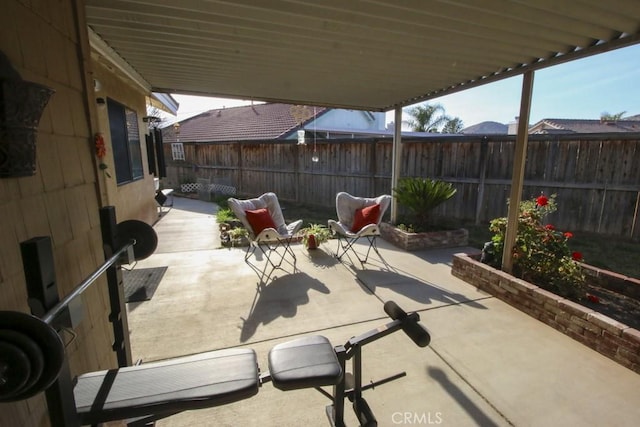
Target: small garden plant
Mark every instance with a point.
(320, 232)
(420, 196)
(231, 229)
(541, 254)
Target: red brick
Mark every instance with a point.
(632, 288)
(547, 317)
(508, 286)
(529, 301)
(575, 327)
(590, 326)
(608, 350)
(552, 308)
(575, 309)
(592, 337)
(576, 336)
(633, 357)
(523, 286)
(564, 321)
(608, 324)
(546, 296)
(631, 338)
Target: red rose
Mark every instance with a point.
(593, 298)
(568, 234)
(542, 201)
(549, 227)
(577, 256)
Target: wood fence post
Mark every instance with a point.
(484, 147)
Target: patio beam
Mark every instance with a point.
(517, 179)
(396, 161)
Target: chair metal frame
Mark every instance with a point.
(273, 243)
(346, 206)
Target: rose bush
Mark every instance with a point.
(541, 254)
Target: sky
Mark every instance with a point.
(581, 89)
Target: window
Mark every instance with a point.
(125, 138)
(177, 151)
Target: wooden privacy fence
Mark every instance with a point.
(596, 177)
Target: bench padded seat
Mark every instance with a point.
(191, 382)
(303, 363)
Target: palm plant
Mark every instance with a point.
(427, 118)
(606, 116)
(421, 196)
(453, 126)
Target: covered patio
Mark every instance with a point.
(487, 364)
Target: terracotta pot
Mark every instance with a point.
(311, 242)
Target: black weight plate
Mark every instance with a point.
(144, 235)
(31, 349)
(47, 339)
(15, 370)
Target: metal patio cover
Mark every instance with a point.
(362, 54)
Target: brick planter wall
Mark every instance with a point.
(618, 283)
(417, 241)
(603, 334)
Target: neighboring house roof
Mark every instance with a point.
(550, 126)
(252, 122)
(486, 128)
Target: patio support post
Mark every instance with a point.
(396, 160)
(518, 172)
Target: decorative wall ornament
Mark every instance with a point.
(101, 152)
(21, 106)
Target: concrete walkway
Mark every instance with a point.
(488, 364)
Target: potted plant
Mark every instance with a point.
(314, 235)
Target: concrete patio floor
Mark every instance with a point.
(488, 364)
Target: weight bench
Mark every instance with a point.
(153, 391)
(145, 393)
(161, 389)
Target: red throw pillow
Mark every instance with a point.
(259, 219)
(365, 216)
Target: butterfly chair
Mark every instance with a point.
(358, 217)
(268, 232)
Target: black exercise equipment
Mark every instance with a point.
(33, 359)
(24, 337)
(148, 392)
(312, 362)
(144, 237)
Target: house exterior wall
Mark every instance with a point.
(62, 200)
(349, 119)
(142, 191)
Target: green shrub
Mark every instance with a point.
(420, 196)
(225, 215)
(541, 254)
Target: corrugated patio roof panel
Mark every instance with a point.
(366, 54)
